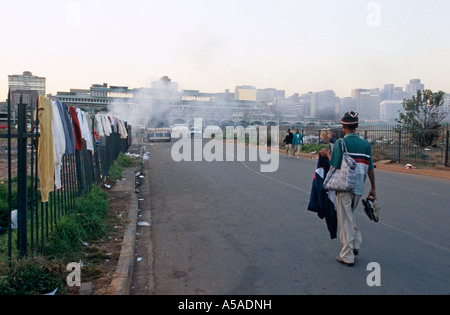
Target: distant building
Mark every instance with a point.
(271, 99)
(305, 102)
(344, 105)
(97, 98)
(290, 106)
(245, 93)
(390, 109)
(27, 87)
(446, 106)
(162, 104)
(391, 92)
(227, 95)
(414, 86)
(367, 103)
(322, 104)
(164, 88)
(26, 82)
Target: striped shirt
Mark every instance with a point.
(361, 151)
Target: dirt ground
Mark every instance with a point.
(101, 257)
(441, 172)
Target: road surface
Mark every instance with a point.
(225, 228)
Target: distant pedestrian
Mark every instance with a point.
(297, 143)
(288, 142)
(346, 202)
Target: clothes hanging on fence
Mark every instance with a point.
(99, 123)
(59, 142)
(68, 129)
(86, 132)
(106, 125)
(76, 129)
(122, 130)
(46, 165)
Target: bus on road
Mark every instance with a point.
(159, 135)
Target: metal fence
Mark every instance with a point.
(390, 142)
(20, 199)
(428, 146)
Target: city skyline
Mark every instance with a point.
(296, 46)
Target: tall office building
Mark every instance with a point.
(414, 86)
(367, 103)
(26, 82)
(391, 109)
(344, 105)
(322, 104)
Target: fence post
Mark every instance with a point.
(399, 146)
(446, 148)
(22, 180)
(79, 172)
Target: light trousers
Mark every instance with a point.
(296, 149)
(288, 149)
(350, 236)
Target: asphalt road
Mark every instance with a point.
(225, 228)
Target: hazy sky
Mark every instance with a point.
(212, 45)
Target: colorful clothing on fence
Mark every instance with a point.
(46, 165)
(59, 142)
(68, 129)
(76, 129)
(86, 129)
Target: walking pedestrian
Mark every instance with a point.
(297, 143)
(288, 142)
(346, 202)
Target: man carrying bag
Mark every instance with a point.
(347, 201)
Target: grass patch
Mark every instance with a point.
(83, 224)
(123, 161)
(313, 147)
(43, 274)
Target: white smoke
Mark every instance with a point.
(144, 107)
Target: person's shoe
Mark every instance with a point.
(372, 209)
(356, 252)
(339, 260)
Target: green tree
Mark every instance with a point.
(422, 116)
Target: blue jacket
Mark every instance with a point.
(320, 201)
(297, 140)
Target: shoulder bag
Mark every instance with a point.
(344, 178)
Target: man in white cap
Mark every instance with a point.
(346, 202)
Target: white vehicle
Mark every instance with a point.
(159, 135)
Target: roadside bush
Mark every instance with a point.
(31, 276)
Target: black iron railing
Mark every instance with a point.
(80, 171)
(390, 142)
